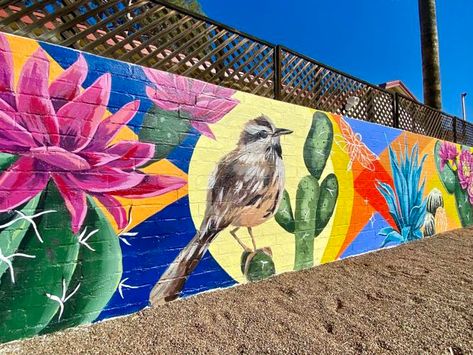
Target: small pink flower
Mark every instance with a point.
(465, 169)
(201, 102)
(58, 133)
(448, 152)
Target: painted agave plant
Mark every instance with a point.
(405, 202)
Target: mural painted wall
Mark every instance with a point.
(122, 187)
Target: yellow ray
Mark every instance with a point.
(144, 208)
(343, 209)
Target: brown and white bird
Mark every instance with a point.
(245, 190)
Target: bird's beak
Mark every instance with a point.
(281, 132)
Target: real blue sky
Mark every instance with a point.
(376, 40)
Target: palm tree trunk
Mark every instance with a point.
(430, 53)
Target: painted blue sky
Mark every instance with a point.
(374, 40)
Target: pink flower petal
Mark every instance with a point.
(37, 112)
(203, 128)
(74, 199)
(104, 179)
(204, 114)
(181, 83)
(210, 109)
(219, 91)
(13, 134)
(131, 154)
(6, 72)
(109, 127)
(162, 100)
(97, 159)
(79, 119)
(20, 183)
(115, 208)
(159, 78)
(59, 159)
(67, 85)
(152, 185)
(198, 87)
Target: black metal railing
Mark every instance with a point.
(156, 34)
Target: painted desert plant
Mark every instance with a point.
(315, 201)
(258, 265)
(436, 217)
(456, 172)
(180, 104)
(405, 202)
(59, 158)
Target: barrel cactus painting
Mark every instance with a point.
(455, 168)
(63, 170)
(258, 265)
(436, 220)
(315, 199)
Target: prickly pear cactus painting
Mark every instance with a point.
(455, 168)
(315, 200)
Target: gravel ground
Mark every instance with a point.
(413, 299)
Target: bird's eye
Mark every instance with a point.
(262, 134)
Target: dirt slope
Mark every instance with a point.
(417, 298)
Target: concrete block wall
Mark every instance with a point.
(123, 187)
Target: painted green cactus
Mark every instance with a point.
(315, 200)
(257, 265)
(32, 294)
(456, 172)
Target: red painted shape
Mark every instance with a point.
(367, 199)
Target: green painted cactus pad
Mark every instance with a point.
(318, 144)
(165, 129)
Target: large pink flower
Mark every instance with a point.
(447, 152)
(59, 133)
(465, 169)
(201, 102)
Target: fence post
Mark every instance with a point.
(395, 110)
(277, 71)
(455, 129)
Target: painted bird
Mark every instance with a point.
(245, 190)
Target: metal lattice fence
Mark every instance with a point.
(156, 34)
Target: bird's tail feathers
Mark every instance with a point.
(173, 279)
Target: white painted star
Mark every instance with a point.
(372, 220)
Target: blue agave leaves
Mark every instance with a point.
(405, 202)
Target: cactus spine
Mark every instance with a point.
(315, 200)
